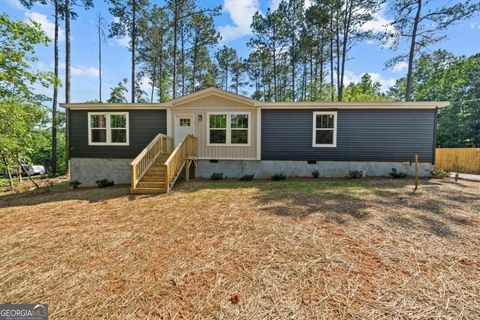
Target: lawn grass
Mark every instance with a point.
(296, 249)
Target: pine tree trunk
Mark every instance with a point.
(175, 34)
(53, 162)
(411, 55)
(337, 40)
(182, 55)
(100, 59)
(67, 78)
(194, 62)
(346, 32)
(331, 59)
(133, 39)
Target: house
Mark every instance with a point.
(148, 145)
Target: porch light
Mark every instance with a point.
(200, 117)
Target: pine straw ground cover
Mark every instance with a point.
(298, 249)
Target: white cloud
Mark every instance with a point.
(376, 77)
(400, 66)
(16, 4)
(123, 41)
(47, 26)
(275, 3)
(79, 70)
(379, 24)
(84, 71)
(475, 25)
(241, 13)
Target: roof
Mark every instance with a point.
(259, 104)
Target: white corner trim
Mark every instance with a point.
(108, 129)
(169, 123)
(259, 134)
(314, 129)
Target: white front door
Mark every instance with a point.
(183, 127)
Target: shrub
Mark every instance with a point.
(395, 174)
(247, 177)
(439, 173)
(74, 184)
(279, 176)
(217, 176)
(315, 174)
(355, 174)
(104, 183)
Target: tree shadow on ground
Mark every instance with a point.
(91, 195)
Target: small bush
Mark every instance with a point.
(355, 174)
(395, 174)
(104, 183)
(74, 184)
(439, 173)
(247, 177)
(217, 176)
(279, 176)
(315, 174)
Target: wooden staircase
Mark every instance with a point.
(157, 167)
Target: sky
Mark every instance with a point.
(233, 24)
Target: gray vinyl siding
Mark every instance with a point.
(362, 135)
(144, 125)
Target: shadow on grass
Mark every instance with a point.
(61, 192)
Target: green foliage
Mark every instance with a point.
(117, 93)
(21, 109)
(398, 174)
(441, 76)
(278, 176)
(247, 177)
(104, 183)
(225, 57)
(217, 176)
(364, 91)
(439, 173)
(355, 174)
(316, 174)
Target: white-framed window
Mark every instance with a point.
(229, 128)
(324, 129)
(108, 128)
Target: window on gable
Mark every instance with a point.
(325, 129)
(228, 128)
(109, 128)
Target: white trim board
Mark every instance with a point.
(108, 129)
(229, 129)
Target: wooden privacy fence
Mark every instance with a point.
(466, 160)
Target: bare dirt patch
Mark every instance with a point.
(248, 250)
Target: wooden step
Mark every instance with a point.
(150, 184)
(149, 190)
(152, 178)
(157, 169)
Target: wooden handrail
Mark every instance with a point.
(161, 144)
(174, 164)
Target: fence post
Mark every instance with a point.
(416, 172)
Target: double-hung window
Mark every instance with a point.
(108, 128)
(324, 129)
(231, 129)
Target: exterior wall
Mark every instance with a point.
(144, 125)
(362, 135)
(89, 170)
(217, 104)
(265, 169)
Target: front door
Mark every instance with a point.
(183, 127)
